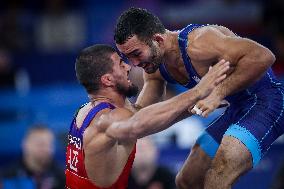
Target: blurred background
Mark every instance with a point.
(39, 41)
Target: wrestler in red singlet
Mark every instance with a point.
(76, 176)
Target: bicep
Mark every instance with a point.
(153, 89)
(233, 49)
(221, 45)
(248, 59)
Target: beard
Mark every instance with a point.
(155, 59)
(129, 91)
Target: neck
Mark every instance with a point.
(171, 46)
(107, 96)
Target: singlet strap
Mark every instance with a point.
(165, 74)
(93, 112)
(183, 43)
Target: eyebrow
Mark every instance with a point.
(132, 52)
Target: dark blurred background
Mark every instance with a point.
(39, 41)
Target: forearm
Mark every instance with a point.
(153, 118)
(151, 93)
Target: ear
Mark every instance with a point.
(159, 38)
(107, 80)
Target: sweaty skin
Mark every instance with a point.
(207, 45)
(113, 133)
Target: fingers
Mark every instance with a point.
(220, 79)
(224, 68)
(198, 109)
(202, 109)
(206, 113)
(220, 65)
(203, 113)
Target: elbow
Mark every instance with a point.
(137, 131)
(267, 57)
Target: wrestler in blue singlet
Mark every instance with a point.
(255, 115)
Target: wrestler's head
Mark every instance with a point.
(38, 147)
(139, 36)
(99, 67)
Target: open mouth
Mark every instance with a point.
(128, 79)
(143, 65)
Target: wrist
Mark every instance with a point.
(196, 94)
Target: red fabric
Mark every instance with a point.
(80, 180)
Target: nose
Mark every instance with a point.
(134, 62)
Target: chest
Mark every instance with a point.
(109, 164)
(178, 71)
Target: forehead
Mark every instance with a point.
(131, 44)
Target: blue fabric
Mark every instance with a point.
(247, 139)
(74, 131)
(194, 78)
(92, 113)
(258, 109)
(260, 117)
(208, 144)
(165, 74)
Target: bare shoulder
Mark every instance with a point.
(226, 31)
(210, 42)
(201, 44)
(203, 34)
(103, 121)
(95, 138)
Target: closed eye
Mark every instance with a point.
(137, 54)
(134, 53)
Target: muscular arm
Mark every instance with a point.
(152, 91)
(249, 59)
(251, 63)
(159, 116)
(153, 118)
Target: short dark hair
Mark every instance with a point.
(91, 64)
(137, 21)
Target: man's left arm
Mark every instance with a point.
(249, 60)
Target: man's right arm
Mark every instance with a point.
(152, 91)
(159, 116)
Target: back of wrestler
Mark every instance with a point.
(106, 164)
(93, 159)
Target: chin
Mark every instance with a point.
(130, 90)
